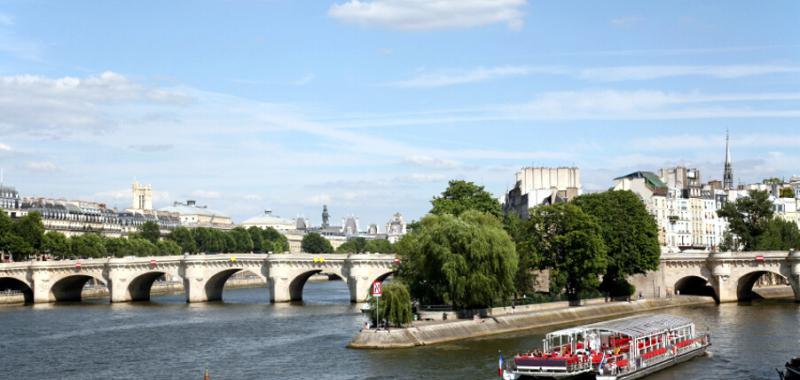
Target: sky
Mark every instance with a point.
(371, 106)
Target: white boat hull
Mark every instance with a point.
(680, 358)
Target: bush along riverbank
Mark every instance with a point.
(501, 321)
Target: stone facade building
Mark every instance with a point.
(539, 185)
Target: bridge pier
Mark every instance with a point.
(194, 281)
(279, 289)
(41, 286)
(118, 289)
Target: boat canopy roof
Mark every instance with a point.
(636, 326)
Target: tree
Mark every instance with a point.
(315, 243)
(168, 248)
(142, 247)
(184, 238)
(787, 192)
(208, 240)
(88, 245)
(30, 229)
(119, 247)
(728, 242)
(772, 181)
(569, 242)
(629, 232)
(394, 305)
(55, 243)
(748, 217)
(15, 245)
(150, 231)
(379, 246)
(278, 242)
(258, 240)
(243, 243)
(357, 245)
(461, 196)
(468, 261)
(780, 235)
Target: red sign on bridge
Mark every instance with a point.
(377, 289)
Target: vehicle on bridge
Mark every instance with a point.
(620, 349)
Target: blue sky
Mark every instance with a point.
(371, 106)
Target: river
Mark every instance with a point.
(245, 337)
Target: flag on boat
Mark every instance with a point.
(602, 361)
(206, 376)
(500, 366)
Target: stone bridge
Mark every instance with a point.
(727, 276)
(203, 276)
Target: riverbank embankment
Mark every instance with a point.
(508, 321)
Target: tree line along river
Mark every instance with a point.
(245, 337)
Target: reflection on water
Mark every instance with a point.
(245, 337)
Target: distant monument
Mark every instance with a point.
(142, 197)
(325, 217)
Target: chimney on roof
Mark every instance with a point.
(190, 202)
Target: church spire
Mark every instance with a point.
(728, 174)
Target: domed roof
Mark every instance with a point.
(189, 208)
(267, 219)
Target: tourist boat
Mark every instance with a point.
(619, 349)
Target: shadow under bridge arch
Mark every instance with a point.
(696, 286)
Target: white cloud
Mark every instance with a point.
(422, 178)
(5, 148)
(443, 78)
(319, 199)
(41, 166)
(420, 15)
(57, 107)
(480, 74)
(306, 79)
(431, 162)
(206, 194)
(625, 21)
(626, 73)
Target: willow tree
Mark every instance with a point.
(394, 305)
(468, 261)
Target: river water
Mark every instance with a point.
(245, 337)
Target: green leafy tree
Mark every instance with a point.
(277, 241)
(787, 192)
(209, 240)
(379, 246)
(629, 232)
(151, 231)
(779, 235)
(15, 245)
(394, 305)
(88, 245)
(569, 242)
(728, 242)
(315, 243)
(142, 247)
(461, 196)
(55, 243)
(357, 245)
(772, 181)
(118, 247)
(258, 240)
(243, 243)
(184, 238)
(468, 261)
(748, 217)
(168, 248)
(30, 229)
(5, 222)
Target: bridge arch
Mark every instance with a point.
(69, 288)
(695, 285)
(140, 286)
(15, 284)
(744, 286)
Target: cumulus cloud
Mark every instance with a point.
(40, 105)
(421, 15)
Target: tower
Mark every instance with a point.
(325, 216)
(142, 196)
(727, 176)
